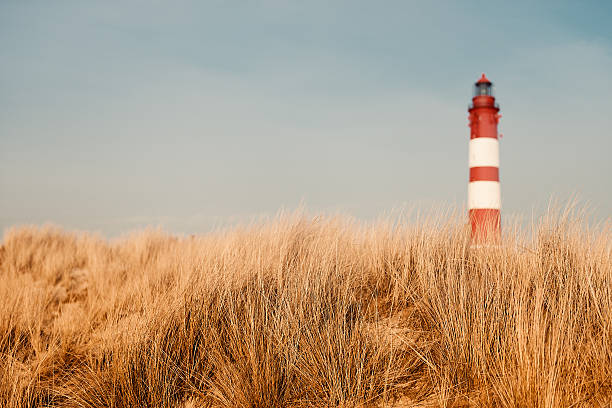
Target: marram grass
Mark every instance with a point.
(308, 311)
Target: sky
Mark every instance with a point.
(190, 115)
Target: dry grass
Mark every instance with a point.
(307, 311)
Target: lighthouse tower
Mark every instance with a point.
(484, 197)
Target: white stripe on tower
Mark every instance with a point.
(484, 152)
(484, 194)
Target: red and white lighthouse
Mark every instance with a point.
(484, 196)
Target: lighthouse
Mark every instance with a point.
(484, 196)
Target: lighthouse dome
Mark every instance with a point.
(483, 79)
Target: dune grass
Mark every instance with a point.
(308, 311)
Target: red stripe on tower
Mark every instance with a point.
(484, 196)
(484, 173)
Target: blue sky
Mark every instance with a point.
(118, 115)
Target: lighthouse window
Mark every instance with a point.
(482, 89)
